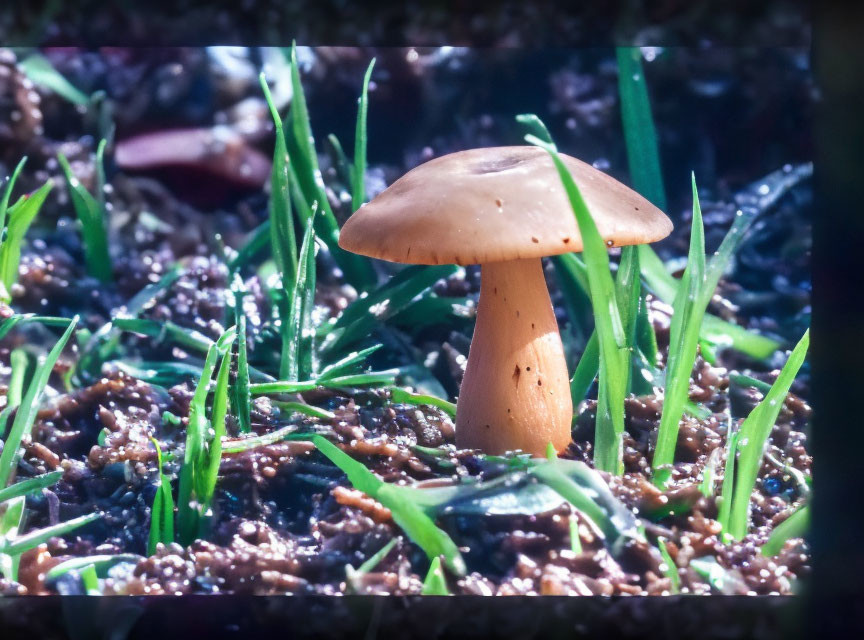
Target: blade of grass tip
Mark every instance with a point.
(241, 404)
(401, 396)
(435, 584)
(20, 216)
(100, 175)
(709, 474)
(33, 539)
(351, 360)
(640, 136)
(409, 516)
(217, 421)
(30, 405)
(193, 456)
(754, 431)
(343, 167)
(92, 219)
(689, 309)
(586, 370)
(726, 489)
(376, 559)
(795, 526)
(671, 569)
(614, 356)
(282, 239)
(305, 409)
(301, 147)
(358, 172)
(299, 332)
(40, 70)
(7, 193)
(30, 486)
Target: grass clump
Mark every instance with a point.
(92, 214)
(162, 511)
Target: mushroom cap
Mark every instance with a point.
(495, 204)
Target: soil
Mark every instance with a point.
(287, 520)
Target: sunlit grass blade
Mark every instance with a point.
(40, 70)
(20, 318)
(754, 432)
(162, 511)
(298, 332)
(671, 569)
(689, 308)
(219, 413)
(255, 243)
(240, 402)
(586, 370)
(795, 526)
(354, 359)
(282, 239)
(20, 216)
(435, 584)
(401, 396)
(724, 509)
(100, 563)
(305, 409)
(193, 473)
(409, 516)
(7, 194)
(30, 404)
(20, 544)
(92, 217)
(15, 389)
(11, 519)
(377, 378)
(639, 134)
(614, 356)
(361, 317)
(30, 486)
(358, 171)
(301, 148)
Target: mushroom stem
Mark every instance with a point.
(516, 391)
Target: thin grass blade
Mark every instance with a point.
(358, 171)
(21, 215)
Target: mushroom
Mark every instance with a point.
(503, 208)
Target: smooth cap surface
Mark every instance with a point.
(495, 204)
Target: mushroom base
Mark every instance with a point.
(516, 390)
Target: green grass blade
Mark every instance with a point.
(214, 450)
(20, 544)
(240, 396)
(628, 292)
(92, 218)
(7, 194)
(435, 584)
(194, 454)
(343, 167)
(254, 244)
(401, 396)
(358, 171)
(165, 331)
(20, 318)
(340, 367)
(30, 486)
(282, 239)
(725, 507)
(99, 562)
(795, 526)
(40, 70)
(709, 474)
(671, 569)
(14, 391)
(639, 134)
(689, 309)
(301, 147)
(754, 431)
(30, 404)
(305, 409)
(409, 516)
(300, 332)
(21, 215)
(361, 317)
(586, 370)
(376, 559)
(614, 359)
(378, 378)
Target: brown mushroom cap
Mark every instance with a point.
(495, 204)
